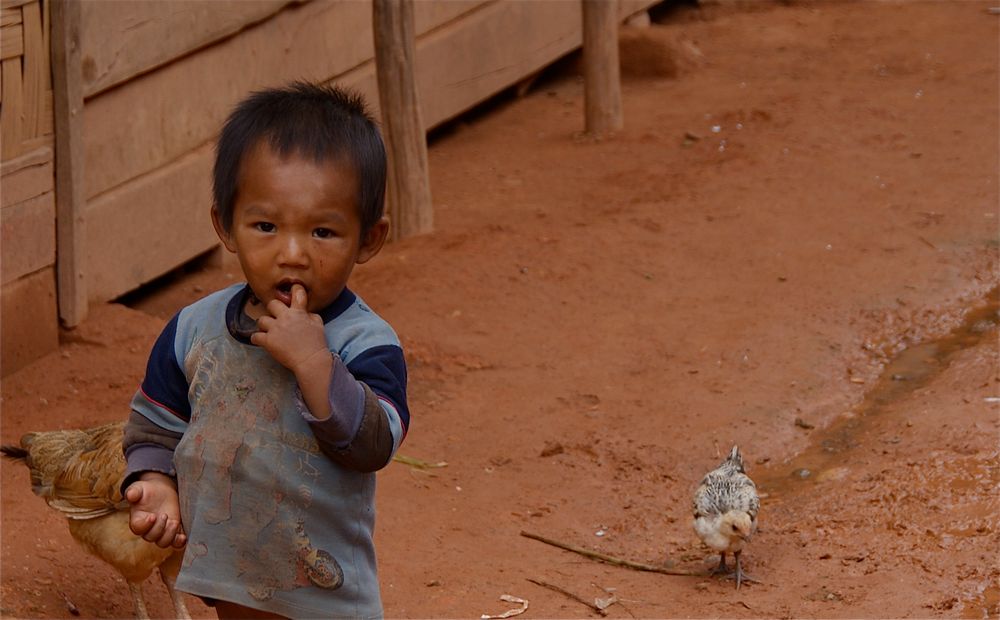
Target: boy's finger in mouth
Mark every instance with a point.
(283, 292)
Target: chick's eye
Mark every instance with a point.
(264, 227)
(734, 528)
(323, 233)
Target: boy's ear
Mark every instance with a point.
(373, 240)
(223, 234)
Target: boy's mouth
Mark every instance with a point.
(283, 291)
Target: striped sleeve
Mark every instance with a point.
(163, 396)
(160, 410)
(383, 369)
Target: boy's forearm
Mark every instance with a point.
(355, 433)
(334, 401)
(148, 448)
(371, 443)
(314, 381)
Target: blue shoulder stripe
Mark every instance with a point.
(383, 369)
(165, 383)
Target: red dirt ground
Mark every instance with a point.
(592, 322)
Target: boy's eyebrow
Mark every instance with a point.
(256, 209)
(259, 210)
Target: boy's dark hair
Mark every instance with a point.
(318, 122)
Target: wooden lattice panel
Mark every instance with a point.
(25, 79)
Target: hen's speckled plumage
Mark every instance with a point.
(79, 472)
(725, 510)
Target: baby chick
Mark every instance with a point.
(725, 511)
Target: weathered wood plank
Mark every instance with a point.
(146, 228)
(11, 41)
(12, 112)
(33, 157)
(315, 41)
(27, 237)
(125, 38)
(409, 196)
(30, 328)
(27, 182)
(71, 228)
(13, 4)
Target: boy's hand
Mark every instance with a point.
(155, 512)
(294, 337)
(291, 334)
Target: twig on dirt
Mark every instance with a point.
(578, 599)
(419, 464)
(73, 609)
(623, 606)
(602, 557)
(929, 244)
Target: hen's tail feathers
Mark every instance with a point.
(14, 453)
(736, 458)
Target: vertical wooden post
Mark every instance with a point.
(410, 208)
(601, 73)
(67, 109)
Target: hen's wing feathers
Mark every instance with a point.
(78, 472)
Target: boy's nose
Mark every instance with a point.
(292, 252)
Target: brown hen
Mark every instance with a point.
(79, 472)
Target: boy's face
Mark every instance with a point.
(296, 221)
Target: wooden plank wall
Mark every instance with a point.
(28, 316)
(159, 79)
(150, 122)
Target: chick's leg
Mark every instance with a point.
(739, 575)
(721, 569)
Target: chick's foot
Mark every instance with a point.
(739, 575)
(721, 568)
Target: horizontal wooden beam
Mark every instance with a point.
(29, 180)
(126, 38)
(27, 237)
(30, 327)
(150, 226)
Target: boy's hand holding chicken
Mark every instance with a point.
(155, 512)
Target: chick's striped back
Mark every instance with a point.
(727, 488)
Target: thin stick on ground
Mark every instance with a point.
(417, 463)
(576, 598)
(602, 557)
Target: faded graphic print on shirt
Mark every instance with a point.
(247, 474)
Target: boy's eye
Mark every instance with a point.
(323, 233)
(264, 227)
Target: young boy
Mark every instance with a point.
(267, 406)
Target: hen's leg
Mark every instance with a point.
(138, 604)
(168, 574)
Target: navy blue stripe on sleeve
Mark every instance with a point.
(165, 383)
(383, 369)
